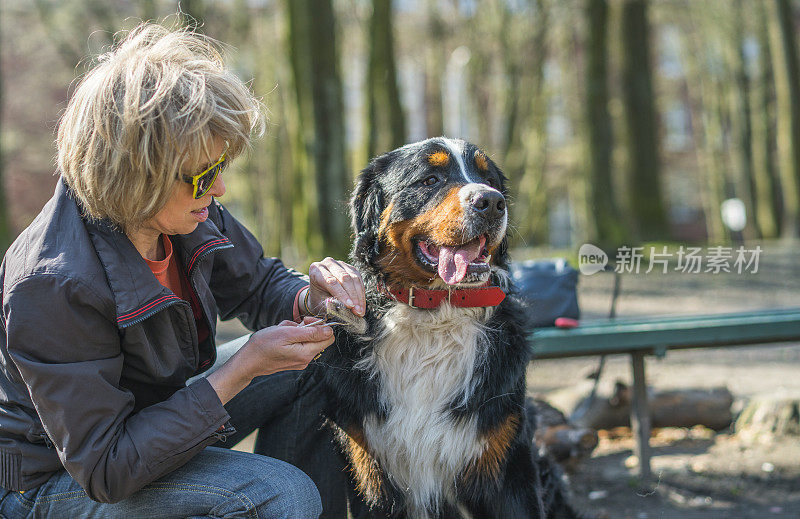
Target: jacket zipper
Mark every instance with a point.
(177, 300)
(191, 276)
(223, 432)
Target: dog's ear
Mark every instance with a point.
(366, 206)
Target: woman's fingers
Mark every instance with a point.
(311, 321)
(309, 349)
(356, 287)
(341, 281)
(288, 347)
(329, 278)
(310, 334)
(350, 282)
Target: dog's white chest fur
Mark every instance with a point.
(425, 362)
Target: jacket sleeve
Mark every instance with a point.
(69, 356)
(259, 291)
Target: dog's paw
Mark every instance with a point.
(335, 310)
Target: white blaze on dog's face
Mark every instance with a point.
(445, 213)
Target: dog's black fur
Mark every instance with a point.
(509, 479)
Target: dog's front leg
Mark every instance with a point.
(515, 493)
(531, 488)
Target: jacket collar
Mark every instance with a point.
(137, 293)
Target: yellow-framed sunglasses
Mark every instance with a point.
(203, 181)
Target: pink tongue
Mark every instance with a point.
(453, 261)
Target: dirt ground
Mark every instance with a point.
(698, 474)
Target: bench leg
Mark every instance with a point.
(640, 416)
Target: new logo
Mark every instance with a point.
(591, 259)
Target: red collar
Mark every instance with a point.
(459, 297)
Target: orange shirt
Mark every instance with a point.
(170, 274)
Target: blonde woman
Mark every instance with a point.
(111, 298)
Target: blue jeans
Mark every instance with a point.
(219, 482)
(215, 483)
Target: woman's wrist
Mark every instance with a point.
(233, 376)
(304, 309)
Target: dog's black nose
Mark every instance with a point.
(491, 203)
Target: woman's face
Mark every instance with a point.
(183, 213)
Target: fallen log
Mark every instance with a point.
(671, 408)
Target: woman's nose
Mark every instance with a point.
(218, 188)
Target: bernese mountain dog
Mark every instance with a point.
(427, 393)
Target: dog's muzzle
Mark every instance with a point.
(485, 211)
(483, 200)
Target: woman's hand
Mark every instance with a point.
(332, 278)
(287, 346)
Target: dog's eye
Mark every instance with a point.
(431, 180)
(491, 182)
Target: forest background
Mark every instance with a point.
(618, 122)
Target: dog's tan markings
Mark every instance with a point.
(480, 161)
(442, 225)
(439, 158)
(363, 465)
(397, 259)
(497, 442)
(446, 221)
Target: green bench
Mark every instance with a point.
(654, 336)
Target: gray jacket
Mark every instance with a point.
(95, 352)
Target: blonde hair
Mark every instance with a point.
(155, 101)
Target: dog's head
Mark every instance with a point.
(430, 214)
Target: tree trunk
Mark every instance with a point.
(479, 90)
(609, 230)
(262, 199)
(645, 192)
(279, 147)
(333, 180)
(767, 184)
(516, 102)
(434, 65)
(304, 191)
(787, 87)
(706, 128)
(531, 209)
(386, 128)
(319, 133)
(523, 70)
(743, 124)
